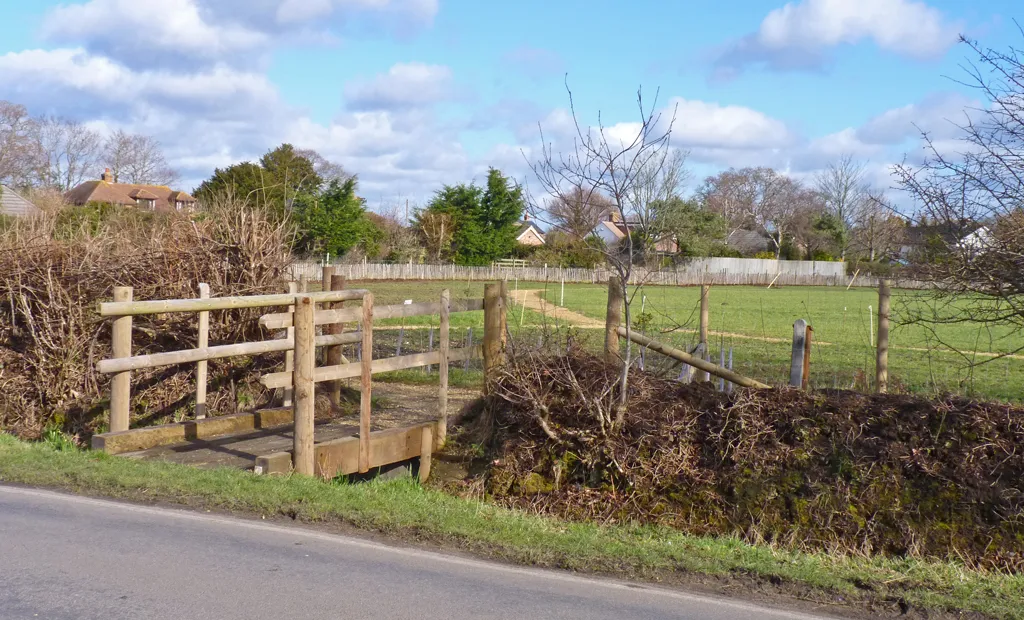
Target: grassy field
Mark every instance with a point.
(404, 510)
(757, 325)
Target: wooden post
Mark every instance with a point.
(705, 313)
(882, 350)
(426, 449)
(203, 342)
(442, 368)
(334, 353)
(613, 320)
(302, 380)
(796, 368)
(366, 382)
(289, 356)
(493, 332)
(805, 379)
(121, 384)
(326, 273)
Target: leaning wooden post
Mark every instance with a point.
(121, 384)
(613, 320)
(334, 353)
(289, 356)
(302, 381)
(796, 368)
(442, 368)
(366, 382)
(202, 343)
(882, 352)
(705, 291)
(493, 331)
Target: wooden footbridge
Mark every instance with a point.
(304, 313)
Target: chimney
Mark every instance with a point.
(106, 177)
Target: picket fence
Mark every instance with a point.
(719, 271)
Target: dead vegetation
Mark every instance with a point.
(836, 471)
(58, 266)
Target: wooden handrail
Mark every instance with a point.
(283, 320)
(388, 364)
(190, 356)
(136, 308)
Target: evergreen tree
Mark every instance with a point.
(335, 220)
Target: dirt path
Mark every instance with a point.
(531, 299)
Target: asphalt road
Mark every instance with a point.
(64, 557)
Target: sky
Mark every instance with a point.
(413, 94)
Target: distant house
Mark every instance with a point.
(612, 229)
(14, 205)
(918, 238)
(529, 234)
(152, 197)
(748, 242)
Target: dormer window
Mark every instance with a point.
(144, 199)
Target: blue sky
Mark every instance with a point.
(411, 94)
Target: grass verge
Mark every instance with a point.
(403, 509)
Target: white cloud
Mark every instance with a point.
(405, 85)
(798, 35)
(939, 115)
(173, 32)
(703, 124)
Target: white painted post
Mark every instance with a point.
(796, 368)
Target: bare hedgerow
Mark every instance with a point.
(57, 266)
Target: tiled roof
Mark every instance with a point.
(163, 197)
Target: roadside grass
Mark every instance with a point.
(405, 510)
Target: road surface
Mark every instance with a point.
(67, 557)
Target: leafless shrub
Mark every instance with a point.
(59, 265)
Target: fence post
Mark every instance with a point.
(203, 342)
(302, 382)
(805, 379)
(493, 332)
(442, 368)
(334, 353)
(426, 449)
(705, 291)
(289, 355)
(796, 368)
(121, 384)
(613, 320)
(882, 352)
(366, 381)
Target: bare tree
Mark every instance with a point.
(19, 155)
(756, 198)
(137, 159)
(324, 168)
(975, 195)
(842, 184)
(577, 211)
(610, 161)
(68, 152)
(438, 230)
(877, 230)
(659, 181)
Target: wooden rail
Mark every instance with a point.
(686, 358)
(389, 364)
(137, 308)
(328, 317)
